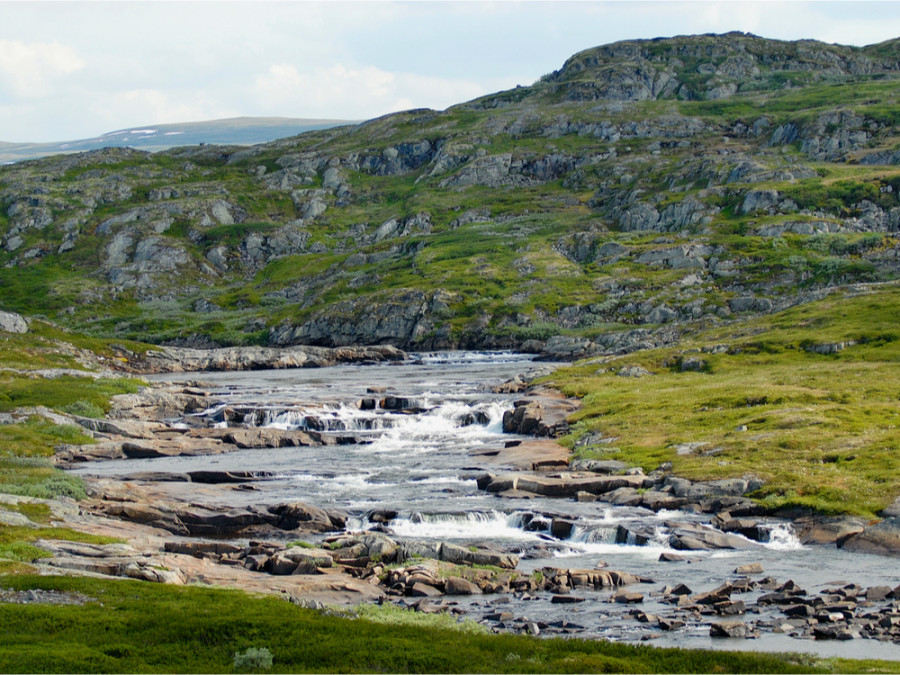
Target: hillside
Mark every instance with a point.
(645, 190)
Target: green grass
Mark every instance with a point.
(17, 543)
(60, 392)
(138, 627)
(37, 436)
(820, 430)
(37, 477)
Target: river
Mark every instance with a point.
(423, 465)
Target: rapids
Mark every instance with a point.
(422, 462)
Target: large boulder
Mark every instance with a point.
(298, 560)
(730, 629)
(460, 586)
(294, 515)
(882, 538)
(827, 529)
(11, 322)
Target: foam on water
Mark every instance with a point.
(475, 525)
(783, 538)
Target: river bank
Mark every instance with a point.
(195, 477)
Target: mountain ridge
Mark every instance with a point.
(243, 130)
(535, 213)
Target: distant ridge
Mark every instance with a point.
(232, 131)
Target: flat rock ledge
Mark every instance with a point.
(184, 360)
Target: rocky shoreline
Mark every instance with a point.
(172, 538)
(186, 360)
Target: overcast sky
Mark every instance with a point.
(74, 69)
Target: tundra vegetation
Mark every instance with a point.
(717, 213)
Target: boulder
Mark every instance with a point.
(267, 438)
(543, 415)
(730, 629)
(460, 586)
(696, 537)
(11, 322)
(827, 529)
(423, 590)
(892, 511)
(362, 548)
(882, 538)
(636, 534)
(565, 599)
(878, 593)
(293, 515)
(205, 522)
(568, 485)
(306, 560)
(627, 597)
(624, 496)
(147, 572)
(603, 466)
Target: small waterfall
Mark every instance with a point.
(593, 534)
(782, 537)
(474, 525)
(284, 419)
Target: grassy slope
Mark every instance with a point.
(820, 429)
(520, 254)
(138, 627)
(26, 448)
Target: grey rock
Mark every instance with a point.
(633, 371)
(603, 466)
(730, 629)
(892, 511)
(882, 538)
(760, 200)
(11, 322)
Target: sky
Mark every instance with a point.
(75, 69)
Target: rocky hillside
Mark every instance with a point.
(644, 189)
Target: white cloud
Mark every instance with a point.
(153, 106)
(28, 70)
(341, 91)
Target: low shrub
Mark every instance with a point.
(252, 659)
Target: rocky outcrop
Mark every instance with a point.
(639, 70)
(542, 413)
(882, 538)
(407, 318)
(177, 360)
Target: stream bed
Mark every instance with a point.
(422, 462)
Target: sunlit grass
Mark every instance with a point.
(820, 430)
